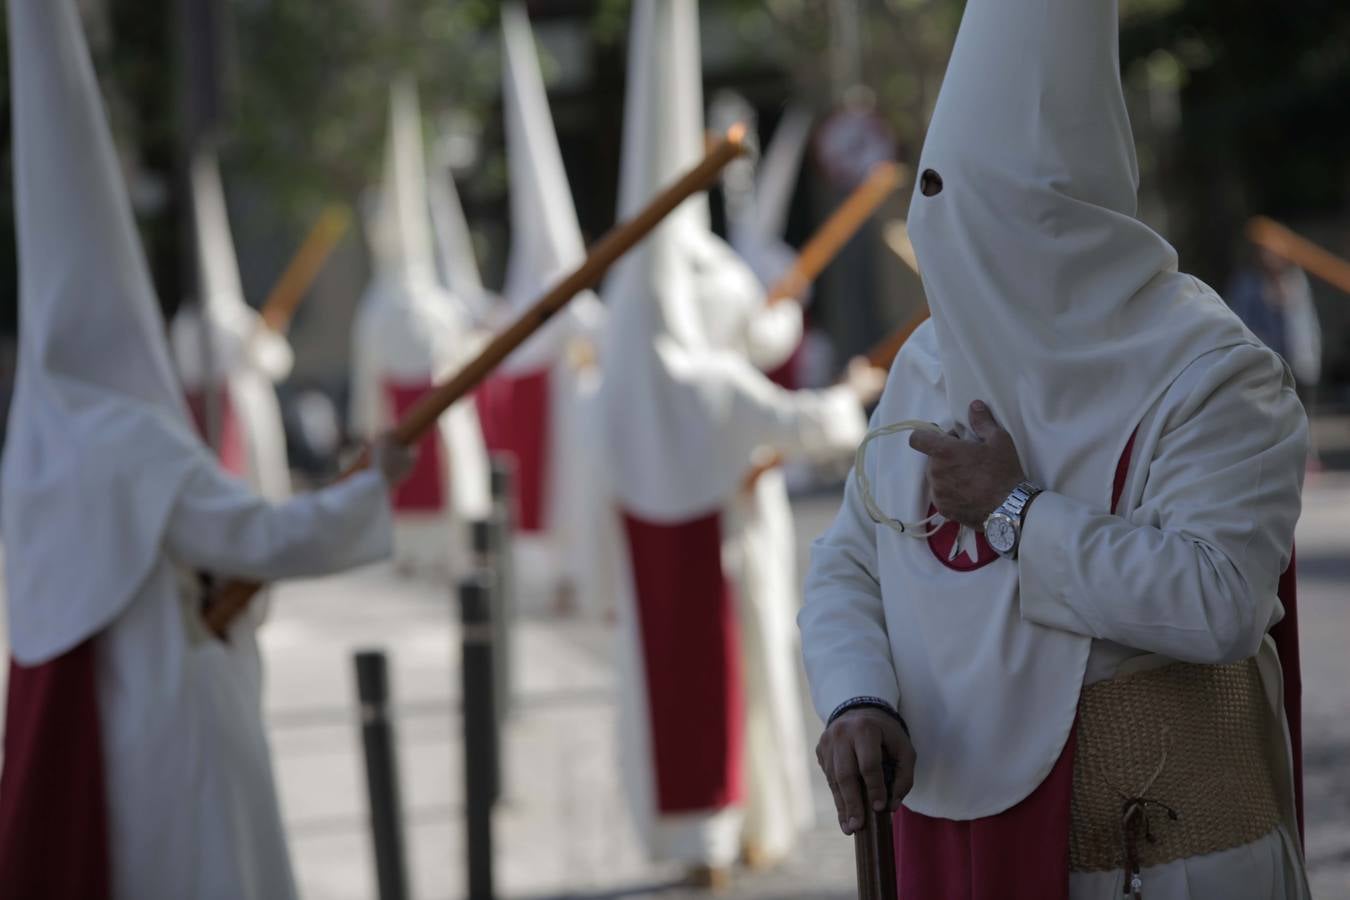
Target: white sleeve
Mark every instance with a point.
(1192, 572)
(827, 424)
(222, 527)
(844, 640)
(773, 333)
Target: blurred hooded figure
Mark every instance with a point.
(540, 409)
(229, 360)
(409, 333)
(135, 760)
(1097, 669)
(757, 200)
(712, 734)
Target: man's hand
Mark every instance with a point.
(392, 460)
(970, 479)
(865, 380)
(852, 752)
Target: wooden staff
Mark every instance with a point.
(304, 267)
(874, 853)
(883, 353)
(896, 235)
(235, 596)
(1300, 251)
(831, 237)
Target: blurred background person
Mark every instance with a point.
(709, 683)
(1273, 298)
(409, 333)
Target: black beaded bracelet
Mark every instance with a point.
(866, 703)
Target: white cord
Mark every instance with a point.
(921, 530)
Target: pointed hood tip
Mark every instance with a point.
(545, 233)
(70, 191)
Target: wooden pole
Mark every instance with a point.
(1300, 251)
(304, 267)
(883, 353)
(235, 596)
(874, 854)
(831, 237)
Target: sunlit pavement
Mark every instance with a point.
(563, 830)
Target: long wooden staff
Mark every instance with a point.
(304, 267)
(831, 237)
(1300, 251)
(235, 596)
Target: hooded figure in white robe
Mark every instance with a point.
(410, 333)
(135, 762)
(540, 409)
(1170, 447)
(712, 740)
(229, 360)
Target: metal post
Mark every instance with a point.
(481, 736)
(377, 734)
(503, 506)
(489, 541)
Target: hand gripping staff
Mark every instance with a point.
(234, 597)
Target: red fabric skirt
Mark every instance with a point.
(691, 651)
(515, 412)
(233, 455)
(1019, 854)
(424, 490)
(53, 807)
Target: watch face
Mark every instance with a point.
(1000, 532)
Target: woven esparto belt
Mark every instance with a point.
(1170, 763)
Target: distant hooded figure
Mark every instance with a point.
(229, 360)
(135, 760)
(710, 696)
(757, 212)
(1068, 619)
(539, 409)
(409, 333)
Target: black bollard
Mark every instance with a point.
(489, 553)
(503, 481)
(481, 735)
(377, 735)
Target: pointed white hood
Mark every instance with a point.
(401, 232)
(757, 234)
(545, 237)
(237, 334)
(1055, 305)
(99, 442)
(1051, 300)
(546, 240)
(455, 257)
(675, 386)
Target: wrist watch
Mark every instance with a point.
(1003, 528)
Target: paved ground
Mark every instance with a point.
(563, 831)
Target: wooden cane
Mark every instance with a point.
(304, 267)
(831, 237)
(1300, 251)
(874, 854)
(234, 597)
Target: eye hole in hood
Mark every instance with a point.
(930, 183)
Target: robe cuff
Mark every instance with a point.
(1050, 535)
(849, 682)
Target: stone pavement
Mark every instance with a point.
(563, 830)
